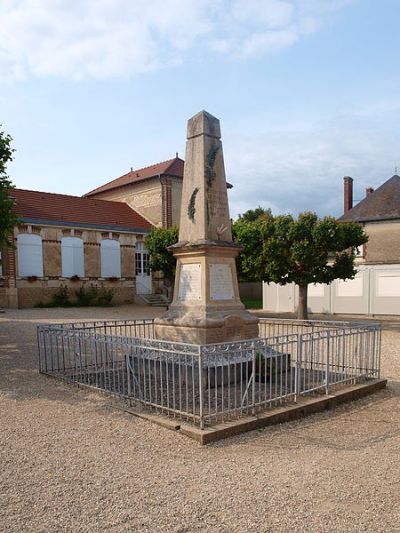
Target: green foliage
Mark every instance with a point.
(160, 257)
(309, 249)
(8, 218)
(254, 214)
(86, 296)
(61, 297)
(247, 231)
(305, 250)
(105, 296)
(252, 303)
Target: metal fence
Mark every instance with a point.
(208, 384)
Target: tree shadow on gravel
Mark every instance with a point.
(350, 427)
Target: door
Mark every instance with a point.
(143, 274)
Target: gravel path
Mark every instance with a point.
(71, 463)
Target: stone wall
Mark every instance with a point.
(145, 197)
(159, 201)
(37, 292)
(28, 291)
(384, 242)
(176, 185)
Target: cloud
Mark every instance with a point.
(107, 38)
(302, 168)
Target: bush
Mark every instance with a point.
(61, 297)
(86, 297)
(105, 296)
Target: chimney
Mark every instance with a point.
(348, 193)
(368, 191)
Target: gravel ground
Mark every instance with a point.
(70, 462)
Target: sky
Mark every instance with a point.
(307, 91)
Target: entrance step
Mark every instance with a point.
(158, 300)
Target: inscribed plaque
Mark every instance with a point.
(190, 282)
(221, 286)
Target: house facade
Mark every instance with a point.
(73, 242)
(155, 191)
(108, 224)
(376, 288)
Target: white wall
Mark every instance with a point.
(374, 291)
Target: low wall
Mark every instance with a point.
(251, 289)
(375, 290)
(30, 294)
(8, 298)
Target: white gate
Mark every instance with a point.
(375, 290)
(143, 273)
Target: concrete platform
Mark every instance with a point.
(304, 407)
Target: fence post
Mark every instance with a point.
(328, 345)
(297, 367)
(253, 385)
(379, 351)
(201, 397)
(39, 335)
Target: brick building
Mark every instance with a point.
(57, 229)
(72, 241)
(376, 288)
(379, 213)
(154, 191)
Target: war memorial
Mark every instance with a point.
(208, 367)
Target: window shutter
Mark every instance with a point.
(72, 257)
(30, 255)
(110, 258)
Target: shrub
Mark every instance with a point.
(61, 297)
(87, 296)
(105, 296)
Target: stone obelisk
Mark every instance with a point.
(206, 307)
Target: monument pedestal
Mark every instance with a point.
(206, 307)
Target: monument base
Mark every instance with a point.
(216, 326)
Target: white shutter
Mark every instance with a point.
(30, 255)
(72, 257)
(110, 258)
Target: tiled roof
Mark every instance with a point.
(172, 167)
(382, 204)
(61, 208)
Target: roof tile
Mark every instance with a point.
(172, 167)
(382, 204)
(74, 209)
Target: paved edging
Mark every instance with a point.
(280, 415)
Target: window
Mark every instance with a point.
(142, 260)
(110, 258)
(72, 257)
(30, 255)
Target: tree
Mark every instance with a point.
(254, 214)
(303, 251)
(8, 218)
(246, 231)
(161, 258)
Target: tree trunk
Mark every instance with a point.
(302, 311)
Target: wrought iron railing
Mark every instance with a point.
(208, 384)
